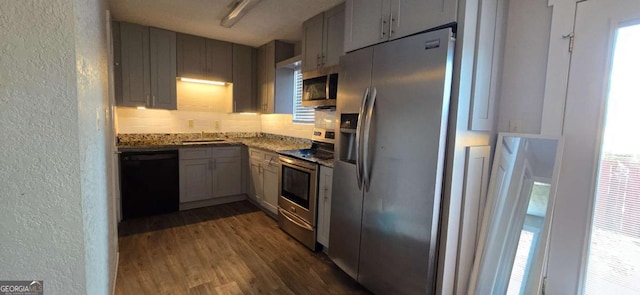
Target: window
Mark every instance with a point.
(304, 115)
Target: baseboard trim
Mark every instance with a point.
(212, 202)
(115, 274)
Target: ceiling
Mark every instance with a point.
(267, 20)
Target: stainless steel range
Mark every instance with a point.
(298, 178)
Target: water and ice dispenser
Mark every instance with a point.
(348, 144)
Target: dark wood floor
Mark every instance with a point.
(226, 249)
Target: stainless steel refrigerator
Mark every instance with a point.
(393, 106)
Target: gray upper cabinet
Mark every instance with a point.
(322, 39)
(147, 67)
(163, 69)
(203, 58)
(192, 56)
(369, 22)
(136, 80)
(244, 78)
(268, 55)
(219, 60)
(312, 43)
(333, 38)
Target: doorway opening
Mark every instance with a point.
(613, 265)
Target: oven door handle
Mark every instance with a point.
(300, 224)
(286, 162)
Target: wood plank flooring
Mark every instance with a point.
(226, 249)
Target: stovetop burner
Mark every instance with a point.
(318, 151)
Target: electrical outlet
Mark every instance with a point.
(190, 122)
(515, 126)
(216, 124)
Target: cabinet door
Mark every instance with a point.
(196, 181)
(366, 23)
(413, 16)
(312, 49)
(219, 60)
(270, 78)
(261, 78)
(324, 204)
(271, 189)
(134, 44)
(256, 180)
(333, 41)
(244, 79)
(117, 62)
(228, 177)
(192, 56)
(163, 69)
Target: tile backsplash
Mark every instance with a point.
(131, 120)
(208, 108)
(282, 124)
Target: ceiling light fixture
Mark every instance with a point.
(237, 9)
(203, 81)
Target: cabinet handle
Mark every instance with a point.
(323, 60)
(147, 101)
(383, 32)
(318, 60)
(153, 100)
(391, 19)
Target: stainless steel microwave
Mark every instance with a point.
(320, 91)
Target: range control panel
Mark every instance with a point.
(324, 135)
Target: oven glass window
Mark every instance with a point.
(295, 186)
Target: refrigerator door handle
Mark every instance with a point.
(367, 133)
(359, 129)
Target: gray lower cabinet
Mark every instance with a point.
(264, 179)
(244, 77)
(202, 58)
(146, 69)
(324, 204)
(209, 173)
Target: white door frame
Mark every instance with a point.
(577, 185)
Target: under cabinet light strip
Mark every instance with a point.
(203, 81)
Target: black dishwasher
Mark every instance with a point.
(149, 183)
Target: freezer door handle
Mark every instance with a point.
(367, 133)
(359, 130)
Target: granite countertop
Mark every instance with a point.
(272, 144)
(162, 142)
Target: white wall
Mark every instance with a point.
(54, 218)
(525, 65)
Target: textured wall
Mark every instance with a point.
(55, 216)
(92, 103)
(41, 226)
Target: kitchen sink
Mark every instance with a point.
(202, 141)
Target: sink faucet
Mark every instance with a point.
(202, 134)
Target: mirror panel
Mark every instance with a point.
(513, 238)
